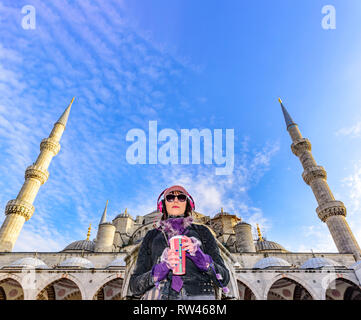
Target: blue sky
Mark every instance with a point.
(185, 64)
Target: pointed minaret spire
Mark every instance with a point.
(286, 115)
(64, 117)
(329, 210)
(21, 209)
(105, 235)
(104, 216)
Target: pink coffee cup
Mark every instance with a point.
(176, 243)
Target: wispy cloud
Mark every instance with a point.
(121, 79)
(318, 239)
(82, 50)
(353, 131)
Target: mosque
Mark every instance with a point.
(100, 269)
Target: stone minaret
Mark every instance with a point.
(21, 209)
(244, 238)
(105, 237)
(329, 210)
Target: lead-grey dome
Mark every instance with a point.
(315, 263)
(266, 245)
(81, 245)
(28, 262)
(76, 262)
(242, 223)
(271, 262)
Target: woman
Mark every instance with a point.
(153, 275)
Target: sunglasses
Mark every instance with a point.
(180, 197)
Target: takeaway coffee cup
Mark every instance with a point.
(177, 243)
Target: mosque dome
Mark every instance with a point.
(242, 223)
(223, 213)
(267, 246)
(81, 245)
(118, 262)
(315, 263)
(76, 262)
(28, 262)
(271, 262)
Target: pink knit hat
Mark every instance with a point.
(176, 188)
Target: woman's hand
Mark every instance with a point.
(173, 258)
(190, 246)
(169, 259)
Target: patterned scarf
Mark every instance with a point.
(175, 225)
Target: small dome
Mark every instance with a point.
(28, 262)
(242, 223)
(271, 262)
(223, 213)
(269, 246)
(124, 214)
(81, 245)
(315, 263)
(76, 262)
(118, 262)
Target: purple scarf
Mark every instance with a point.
(175, 226)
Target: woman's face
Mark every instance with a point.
(175, 208)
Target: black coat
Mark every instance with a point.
(195, 281)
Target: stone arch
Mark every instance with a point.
(288, 288)
(246, 282)
(10, 276)
(2, 294)
(343, 289)
(10, 288)
(73, 296)
(275, 296)
(65, 287)
(111, 289)
(244, 291)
